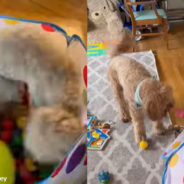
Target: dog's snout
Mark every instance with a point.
(171, 106)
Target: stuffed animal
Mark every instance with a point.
(104, 21)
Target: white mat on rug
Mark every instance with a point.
(122, 157)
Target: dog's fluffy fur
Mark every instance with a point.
(124, 75)
(54, 82)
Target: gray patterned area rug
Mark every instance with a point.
(124, 160)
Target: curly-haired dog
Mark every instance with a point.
(54, 82)
(137, 93)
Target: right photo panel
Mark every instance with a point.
(135, 92)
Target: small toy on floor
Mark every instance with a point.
(91, 122)
(97, 139)
(97, 134)
(176, 128)
(143, 144)
(179, 113)
(104, 177)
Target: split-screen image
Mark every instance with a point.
(91, 92)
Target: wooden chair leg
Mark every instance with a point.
(134, 30)
(134, 34)
(165, 31)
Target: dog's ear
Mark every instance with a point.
(166, 90)
(152, 109)
(167, 95)
(152, 105)
(159, 102)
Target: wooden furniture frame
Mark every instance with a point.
(141, 24)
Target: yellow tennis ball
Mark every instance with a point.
(143, 145)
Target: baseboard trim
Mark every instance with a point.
(175, 14)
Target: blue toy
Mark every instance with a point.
(91, 122)
(96, 139)
(104, 177)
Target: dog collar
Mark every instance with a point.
(137, 98)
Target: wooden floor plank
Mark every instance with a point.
(70, 15)
(170, 62)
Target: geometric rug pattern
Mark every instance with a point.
(121, 156)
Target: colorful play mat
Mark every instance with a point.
(14, 163)
(98, 49)
(174, 161)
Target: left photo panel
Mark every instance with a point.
(43, 89)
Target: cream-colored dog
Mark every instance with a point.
(136, 92)
(54, 81)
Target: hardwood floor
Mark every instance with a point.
(170, 62)
(68, 14)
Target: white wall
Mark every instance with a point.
(174, 4)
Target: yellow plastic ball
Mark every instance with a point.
(21, 122)
(30, 164)
(7, 165)
(143, 145)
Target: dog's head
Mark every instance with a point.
(158, 99)
(51, 132)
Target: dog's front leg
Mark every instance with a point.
(138, 124)
(158, 127)
(119, 97)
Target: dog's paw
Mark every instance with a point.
(125, 118)
(139, 138)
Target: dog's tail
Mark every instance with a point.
(125, 41)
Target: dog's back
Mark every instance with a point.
(125, 69)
